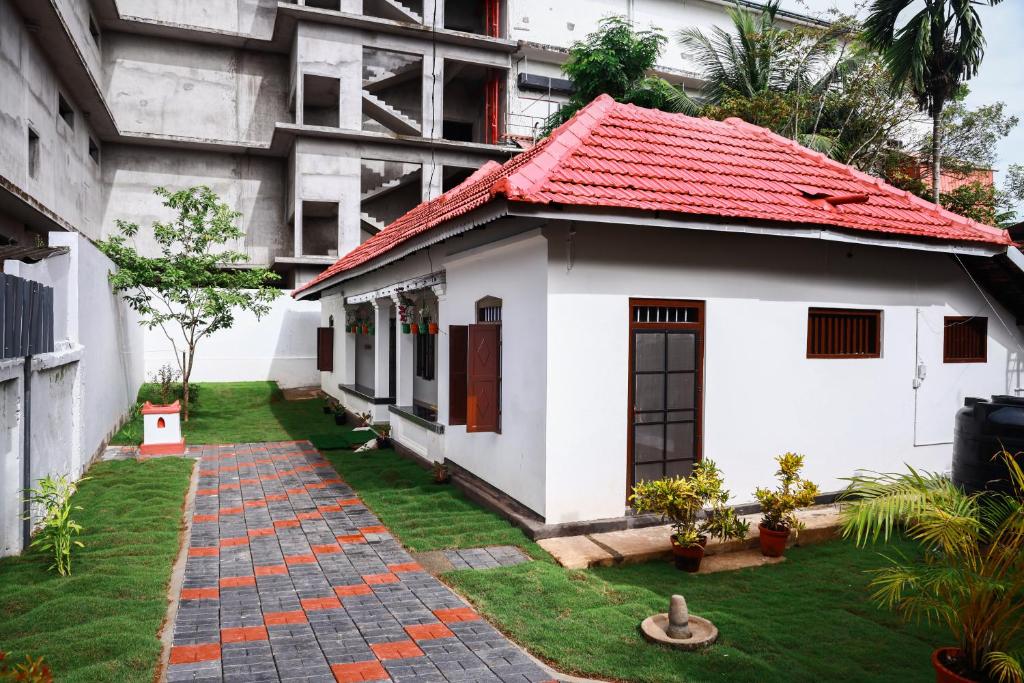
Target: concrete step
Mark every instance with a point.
(371, 224)
(391, 9)
(390, 185)
(633, 546)
(386, 79)
(384, 113)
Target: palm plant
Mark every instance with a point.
(971, 574)
(933, 52)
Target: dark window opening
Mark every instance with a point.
(321, 105)
(65, 111)
(965, 339)
(33, 153)
(426, 352)
(844, 333)
(324, 4)
(94, 150)
(459, 131)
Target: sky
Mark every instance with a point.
(1001, 76)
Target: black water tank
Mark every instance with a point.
(983, 429)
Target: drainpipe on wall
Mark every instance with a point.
(26, 449)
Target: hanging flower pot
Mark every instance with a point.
(432, 328)
(415, 327)
(366, 329)
(354, 329)
(405, 328)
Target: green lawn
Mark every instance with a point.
(101, 623)
(243, 412)
(807, 619)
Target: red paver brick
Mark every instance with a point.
(237, 581)
(329, 508)
(228, 542)
(203, 552)
(245, 465)
(357, 589)
(357, 672)
(231, 511)
(405, 567)
(231, 485)
(354, 538)
(349, 501)
(207, 473)
(255, 503)
(268, 477)
(188, 654)
(279, 618)
(243, 634)
(248, 482)
(333, 480)
(271, 570)
(206, 492)
(403, 649)
(265, 461)
(317, 485)
(299, 559)
(313, 604)
(199, 519)
(304, 468)
(228, 468)
(282, 523)
(378, 579)
(326, 549)
(268, 531)
(428, 631)
(456, 614)
(374, 530)
(275, 497)
(296, 492)
(309, 515)
(200, 594)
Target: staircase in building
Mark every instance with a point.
(382, 187)
(371, 224)
(381, 79)
(391, 9)
(388, 116)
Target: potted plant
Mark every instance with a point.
(366, 329)
(442, 475)
(383, 432)
(681, 500)
(414, 327)
(431, 328)
(365, 418)
(340, 416)
(969, 574)
(778, 507)
(404, 313)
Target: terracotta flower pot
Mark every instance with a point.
(366, 329)
(687, 558)
(432, 328)
(415, 328)
(943, 674)
(354, 329)
(773, 543)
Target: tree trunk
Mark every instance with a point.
(937, 155)
(185, 374)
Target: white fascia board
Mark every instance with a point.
(421, 282)
(648, 219)
(488, 213)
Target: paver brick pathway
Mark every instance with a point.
(486, 558)
(289, 577)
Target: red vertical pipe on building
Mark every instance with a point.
(492, 14)
(492, 102)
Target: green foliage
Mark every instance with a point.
(981, 202)
(778, 507)
(29, 671)
(56, 535)
(164, 378)
(970, 576)
(682, 500)
(969, 136)
(194, 286)
(615, 60)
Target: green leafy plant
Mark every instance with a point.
(440, 472)
(682, 500)
(970, 574)
(52, 497)
(166, 378)
(778, 507)
(29, 671)
(195, 286)
(365, 418)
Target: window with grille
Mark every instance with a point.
(426, 350)
(844, 333)
(666, 314)
(965, 339)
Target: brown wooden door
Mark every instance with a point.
(325, 349)
(665, 397)
(484, 373)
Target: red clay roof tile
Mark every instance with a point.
(622, 156)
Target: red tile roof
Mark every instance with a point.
(622, 156)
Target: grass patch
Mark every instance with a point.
(424, 515)
(246, 412)
(101, 623)
(807, 619)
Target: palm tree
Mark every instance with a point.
(970, 574)
(933, 52)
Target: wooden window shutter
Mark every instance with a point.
(325, 349)
(483, 393)
(458, 340)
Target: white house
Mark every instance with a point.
(642, 290)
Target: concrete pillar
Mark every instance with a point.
(404, 361)
(350, 86)
(442, 353)
(347, 355)
(433, 96)
(382, 347)
(433, 13)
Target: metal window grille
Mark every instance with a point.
(843, 333)
(666, 314)
(489, 314)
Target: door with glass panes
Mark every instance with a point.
(665, 392)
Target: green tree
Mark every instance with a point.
(933, 53)
(615, 60)
(194, 286)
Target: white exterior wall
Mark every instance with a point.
(280, 346)
(762, 395)
(11, 452)
(516, 272)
